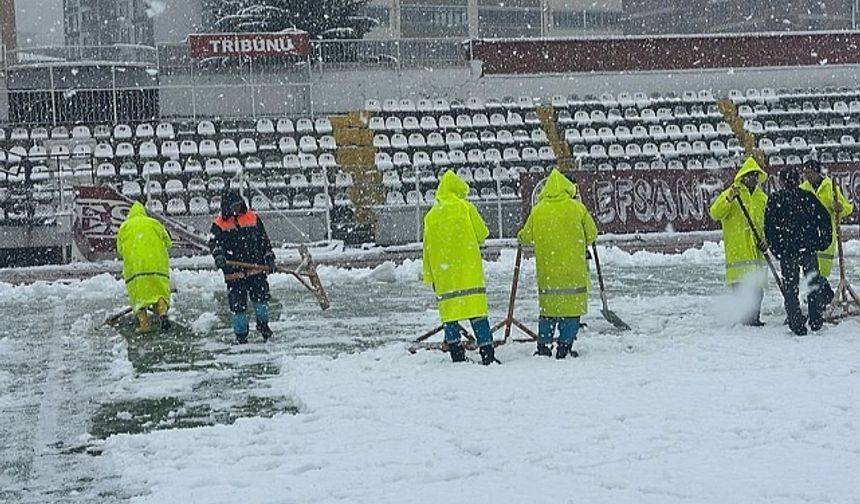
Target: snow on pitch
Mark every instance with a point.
(685, 407)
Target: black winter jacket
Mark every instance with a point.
(796, 223)
(239, 238)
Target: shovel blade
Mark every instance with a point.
(614, 319)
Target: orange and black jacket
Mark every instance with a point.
(240, 238)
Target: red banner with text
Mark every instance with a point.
(215, 45)
(648, 201)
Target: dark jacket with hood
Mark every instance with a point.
(795, 224)
(239, 237)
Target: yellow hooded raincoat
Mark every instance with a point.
(453, 232)
(742, 256)
(824, 193)
(560, 228)
(142, 244)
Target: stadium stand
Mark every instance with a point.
(293, 163)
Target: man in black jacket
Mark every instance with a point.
(797, 226)
(238, 235)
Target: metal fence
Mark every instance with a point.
(172, 85)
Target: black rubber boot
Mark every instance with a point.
(488, 354)
(265, 331)
(241, 339)
(458, 353)
(543, 350)
(565, 349)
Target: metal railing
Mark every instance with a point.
(119, 54)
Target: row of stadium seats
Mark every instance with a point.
(455, 140)
(165, 130)
(171, 149)
(607, 100)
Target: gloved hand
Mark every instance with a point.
(220, 261)
(733, 193)
(270, 262)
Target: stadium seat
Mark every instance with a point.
(198, 205)
(306, 144)
(150, 169)
(154, 206)
(192, 167)
(428, 123)
(81, 132)
(206, 128)
(372, 105)
(173, 187)
(457, 157)
(171, 168)
(377, 123)
(188, 148)
(153, 188)
(394, 198)
(285, 126)
(104, 151)
(129, 169)
(287, 145)
(176, 206)
(170, 149)
(148, 150)
(196, 185)
(299, 181)
(391, 179)
(280, 202)
(265, 126)
(327, 160)
(342, 180)
(105, 170)
(257, 182)
(165, 131)
(82, 151)
(304, 125)
(321, 201)
(208, 148)
(122, 132)
(383, 161)
(401, 159)
(247, 146)
(144, 130)
(227, 147)
(301, 201)
(410, 123)
(416, 140)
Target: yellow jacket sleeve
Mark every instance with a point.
(589, 227)
(427, 271)
(722, 206)
(481, 231)
(526, 235)
(847, 206)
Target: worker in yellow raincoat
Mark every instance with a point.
(142, 244)
(745, 261)
(561, 229)
(834, 202)
(453, 233)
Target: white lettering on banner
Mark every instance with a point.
(214, 43)
(228, 46)
(273, 45)
(259, 45)
(628, 200)
(246, 45)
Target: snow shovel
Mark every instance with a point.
(113, 319)
(608, 314)
(846, 302)
(759, 239)
(306, 274)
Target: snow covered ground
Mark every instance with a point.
(685, 408)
